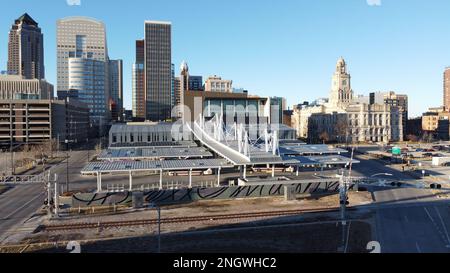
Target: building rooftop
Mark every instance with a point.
(155, 152)
(25, 18)
(309, 150)
(166, 165)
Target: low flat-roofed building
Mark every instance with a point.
(37, 121)
(145, 133)
(25, 121)
(13, 87)
(70, 119)
(217, 84)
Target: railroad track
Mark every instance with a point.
(178, 220)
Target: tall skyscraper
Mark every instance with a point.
(158, 70)
(26, 49)
(83, 64)
(172, 93)
(138, 82)
(341, 90)
(447, 88)
(116, 89)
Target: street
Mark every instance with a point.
(21, 202)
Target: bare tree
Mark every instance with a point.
(341, 129)
(412, 138)
(324, 137)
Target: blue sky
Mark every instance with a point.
(284, 48)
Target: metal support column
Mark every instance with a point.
(99, 182)
(218, 177)
(56, 199)
(297, 172)
(161, 180)
(190, 179)
(273, 170)
(131, 181)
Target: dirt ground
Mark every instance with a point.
(314, 238)
(172, 232)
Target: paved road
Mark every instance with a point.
(416, 223)
(21, 202)
(408, 220)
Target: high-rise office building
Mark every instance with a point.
(83, 64)
(26, 49)
(172, 92)
(447, 88)
(116, 89)
(158, 70)
(138, 83)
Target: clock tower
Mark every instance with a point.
(341, 91)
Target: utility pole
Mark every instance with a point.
(49, 197)
(158, 209)
(67, 165)
(56, 197)
(13, 171)
(344, 184)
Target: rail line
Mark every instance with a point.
(178, 220)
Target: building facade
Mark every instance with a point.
(116, 89)
(26, 49)
(83, 65)
(38, 121)
(25, 121)
(70, 121)
(435, 123)
(277, 106)
(447, 88)
(158, 70)
(18, 88)
(216, 84)
(345, 118)
(138, 83)
(341, 90)
(87, 78)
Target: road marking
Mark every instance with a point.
(418, 248)
(348, 237)
(435, 225)
(14, 212)
(443, 224)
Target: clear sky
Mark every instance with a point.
(273, 47)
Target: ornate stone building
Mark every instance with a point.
(347, 119)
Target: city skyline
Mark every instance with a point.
(382, 52)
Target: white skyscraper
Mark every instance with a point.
(82, 63)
